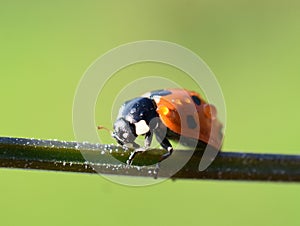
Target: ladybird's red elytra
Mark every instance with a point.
(180, 112)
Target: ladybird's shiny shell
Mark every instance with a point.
(188, 114)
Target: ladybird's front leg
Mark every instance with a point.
(148, 140)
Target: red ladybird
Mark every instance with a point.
(171, 114)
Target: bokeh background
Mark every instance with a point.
(252, 47)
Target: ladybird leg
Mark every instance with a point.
(164, 142)
(168, 154)
(148, 140)
(166, 145)
(156, 170)
(133, 154)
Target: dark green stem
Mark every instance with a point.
(68, 156)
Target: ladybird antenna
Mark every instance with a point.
(104, 128)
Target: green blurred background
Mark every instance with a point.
(252, 47)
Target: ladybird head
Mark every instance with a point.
(124, 132)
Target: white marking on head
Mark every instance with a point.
(141, 127)
(156, 98)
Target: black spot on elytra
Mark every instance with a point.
(191, 122)
(196, 100)
(161, 92)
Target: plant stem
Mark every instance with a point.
(68, 156)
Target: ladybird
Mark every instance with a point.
(170, 114)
